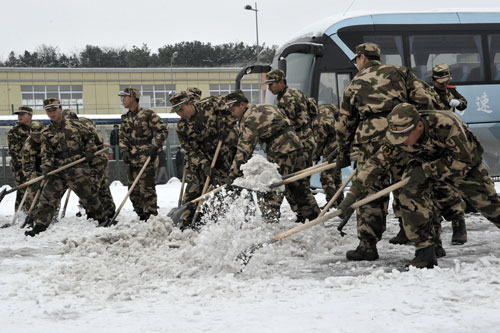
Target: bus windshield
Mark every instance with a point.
(298, 74)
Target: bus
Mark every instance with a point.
(317, 60)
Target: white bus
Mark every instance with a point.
(317, 60)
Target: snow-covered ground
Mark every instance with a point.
(140, 276)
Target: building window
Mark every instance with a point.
(71, 96)
(251, 90)
(153, 95)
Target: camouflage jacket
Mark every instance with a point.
(296, 107)
(139, 130)
(32, 158)
(370, 97)
(65, 143)
(200, 135)
(100, 160)
(442, 99)
(16, 138)
(324, 129)
(445, 150)
(264, 124)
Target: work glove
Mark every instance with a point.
(417, 175)
(126, 157)
(454, 102)
(343, 159)
(89, 156)
(152, 151)
(345, 207)
(332, 157)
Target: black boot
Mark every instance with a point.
(459, 236)
(424, 258)
(300, 218)
(364, 251)
(400, 238)
(37, 228)
(28, 221)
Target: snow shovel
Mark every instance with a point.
(312, 170)
(21, 205)
(245, 256)
(181, 195)
(112, 221)
(207, 181)
(63, 213)
(176, 213)
(337, 194)
(37, 179)
(33, 204)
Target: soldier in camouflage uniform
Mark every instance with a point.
(270, 125)
(441, 149)
(449, 97)
(99, 165)
(367, 101)
(324, 129)
(301, 114)
(142, 134)
(448, 202)
(15, 139)
(451, 205)
(32, 159)
(63, 142)
(203, 123)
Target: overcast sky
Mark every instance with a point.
(72, 24)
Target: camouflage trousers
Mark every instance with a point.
(77, 178)
(449, 205)
(371, 217)
(195, 180)
(417, 207)
(20, 179)
(308, 163)
(100, 179)
(298, 191)
(331, 181)
(143, 196)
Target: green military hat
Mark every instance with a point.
(51, 103)
(402, 120)
(275, 75)
(130, 92)
(235, 97)
(441, 73)
(368, 49)
(179, 99)
(36, 129)
(24, 109)
(194, 91)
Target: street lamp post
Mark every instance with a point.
(174, 55)
(249, 7)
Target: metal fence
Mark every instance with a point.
(117, 169)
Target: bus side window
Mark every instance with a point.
(494, 47)
(331, 87)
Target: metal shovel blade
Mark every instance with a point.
(176, 213)
(244, 256)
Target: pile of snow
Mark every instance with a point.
(150, 276)
(259, 174)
